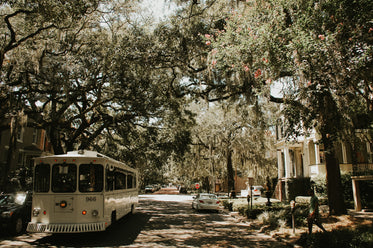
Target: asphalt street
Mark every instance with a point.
(160, 221)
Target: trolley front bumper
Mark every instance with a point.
(66, 228)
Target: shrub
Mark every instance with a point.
(228, 205)
(319, 183)
(297, 186)
(350, 238)
(277, 213)
(270, 218)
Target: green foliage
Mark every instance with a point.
(319, 184)
(228, 205)
(298, 187)
(347, 187)
(277, 214)
(272, 219)
(311, 44)
(361, 237)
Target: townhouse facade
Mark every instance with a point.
(30, 143)
(301, 161)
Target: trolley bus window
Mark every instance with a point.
(109, 180)
(129, 181)
(64, 178)
(120, 180)
(41, 180)
(91, 177)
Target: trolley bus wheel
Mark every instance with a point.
(17, 226)
(113, 217)
(133, 210)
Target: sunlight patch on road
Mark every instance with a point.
(172, 236)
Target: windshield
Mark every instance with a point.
(91, 177)
(64, 178)
(208, 196)
(41, 180)
(8, 199)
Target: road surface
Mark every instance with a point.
(160, 221)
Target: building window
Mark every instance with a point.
(322, 154)
(35, 136)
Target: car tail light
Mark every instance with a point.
(201, 201)
(84, 212)
(217, 202)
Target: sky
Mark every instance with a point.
(158, 8)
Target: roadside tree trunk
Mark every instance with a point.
(336, 202)
(230, 171)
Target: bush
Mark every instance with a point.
(297, 186)
(228, 205)
(273, 219)
(279, 213)
(350, 238)
(319, 183)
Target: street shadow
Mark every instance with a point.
(176, 224)
(123, 232)
(165, 223)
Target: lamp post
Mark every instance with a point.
(250, 190)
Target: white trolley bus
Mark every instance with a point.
(81, 191)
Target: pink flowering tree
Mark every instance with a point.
(324, 48)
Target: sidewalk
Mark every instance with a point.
(285, 234)
(361, 214)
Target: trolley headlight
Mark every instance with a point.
(94, 213)
(35, 212)
(63, 204)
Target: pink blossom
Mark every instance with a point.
(258, 73)
(208, 42)
(246, 68)
(213, 62)
(321, 37)
(207, 36)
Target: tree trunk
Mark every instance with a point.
(230, 171)
(330, 124)
(333, 179)
(55, 137)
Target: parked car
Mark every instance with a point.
(205, 201)
(183, 190)
(149, 189)
(15, 211)
(257, 191)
